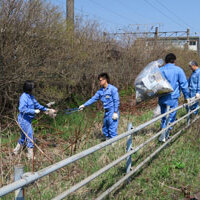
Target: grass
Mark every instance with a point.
(127, 91)
(173, 173)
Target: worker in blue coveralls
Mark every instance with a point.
(109, 96)
(177, 78)
(194, 84)
(28, 107)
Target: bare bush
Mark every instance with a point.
(35, 44)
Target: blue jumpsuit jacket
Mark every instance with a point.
(194, 87)
(110, 98)
(27, 106)
(177, 79)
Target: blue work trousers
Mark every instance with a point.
(109, 125)
(173, 103)
(27, 128)
(194, 106)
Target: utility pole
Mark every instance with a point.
(156, 33)
(188, 37)
(70, 14)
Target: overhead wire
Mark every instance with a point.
(185, 23)
(102, 18)
(178, 21)
(128, 7)
(108, 21)
(110, 10)
(152, 5)
(152, 25)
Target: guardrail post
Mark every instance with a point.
(189, 116)
(129, 146)
(167, 123)
(19, 170)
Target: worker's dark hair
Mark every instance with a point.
(28, 86)
(104, 76)
(170, 58)
(193, 62)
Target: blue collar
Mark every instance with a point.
(196, 71)
(107, 87)
(169, 64)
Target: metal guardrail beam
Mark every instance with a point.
(37, 175)
(103, 195)
(107, 167)
(127, 176)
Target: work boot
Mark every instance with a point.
(30, 154)
(113, 144)
(17, 149)
(108, 138)
(105, 138)
(162, 138)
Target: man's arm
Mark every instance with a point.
(38, 106)
(115, 95)
(198, 83)
(94, 99)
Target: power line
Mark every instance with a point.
(127, 7)
(152, 25)
(110, 10)
(61, 2)
(104, 19)
(187, 25)
(162, 13)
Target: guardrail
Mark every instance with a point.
(28, 178)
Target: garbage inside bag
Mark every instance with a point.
(150, 83)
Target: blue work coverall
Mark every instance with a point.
(110, 98)
(194, 87)
(177, 79)
(27, 106)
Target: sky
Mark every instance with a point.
(143, 15)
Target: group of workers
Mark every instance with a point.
(177, 78)
(109, 96)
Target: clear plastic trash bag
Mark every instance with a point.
(150, 83)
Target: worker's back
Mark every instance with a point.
(177, 79)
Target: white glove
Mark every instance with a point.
(81, 107)
(115, 116)
(52, 113)
(50, 104)
(37, 111)
(197, 95)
